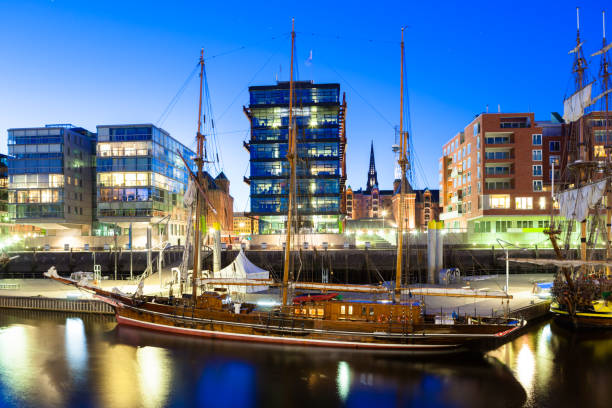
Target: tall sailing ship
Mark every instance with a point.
(582, 291)
(324, 320)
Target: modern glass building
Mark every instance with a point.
(50, 177)
(141, 180)
(4, 215)
(319, 116)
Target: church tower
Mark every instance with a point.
(372, 176)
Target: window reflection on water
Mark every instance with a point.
(51, 359)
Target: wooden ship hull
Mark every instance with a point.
(376, 329)
(288, 331)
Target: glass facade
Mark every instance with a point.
(317, 113)
(140, 174)
(50, 174)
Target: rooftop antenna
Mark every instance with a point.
(499, 108)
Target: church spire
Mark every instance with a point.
(372, 176)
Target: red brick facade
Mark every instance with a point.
(498, 166)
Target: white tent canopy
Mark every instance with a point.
(242, 268)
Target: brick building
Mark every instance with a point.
(420, 206)
(495, 176)
(371, 202)
(245, 224)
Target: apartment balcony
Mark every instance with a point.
(499, 141)
(450, 215)
(507, 175)
(509, 158)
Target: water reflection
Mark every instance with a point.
(14, 359)
(76, 345)
(60, 360)
(154, 374)
(561, 368)
(343, 380)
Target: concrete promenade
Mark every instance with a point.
(521, 289)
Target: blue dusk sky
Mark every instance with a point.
(110, 62)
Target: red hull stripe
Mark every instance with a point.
(278, 340)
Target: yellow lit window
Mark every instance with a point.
(320, 312)
(350, 310)
(342, 309)
(599, 151)
(523, 203)
(542, 203)
(312, 312)
(499, 201)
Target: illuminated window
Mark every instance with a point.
(599, 151)
(499, 201)
(542, 203)
(320, 312)
(523, 203)
(350, 310)
(342, 309)
(312, 312)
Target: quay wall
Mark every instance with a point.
(55, 304)
(342, 265)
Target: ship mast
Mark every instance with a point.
(291, 156)
(199, 160)
(579, 68)
(403, 163)
(605, 78)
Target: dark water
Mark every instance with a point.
(59, 360)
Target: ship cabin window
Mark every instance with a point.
(320, 312)
(350, 310)
(363, 310)
(342, 309)
(371, 311)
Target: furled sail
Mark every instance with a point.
(603, 50)
(601, 95)
(576, 49)
(573, 107)
(574, 204)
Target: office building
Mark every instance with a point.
(321, 170)
(141, 181)
(70, 188)
(51, 178)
